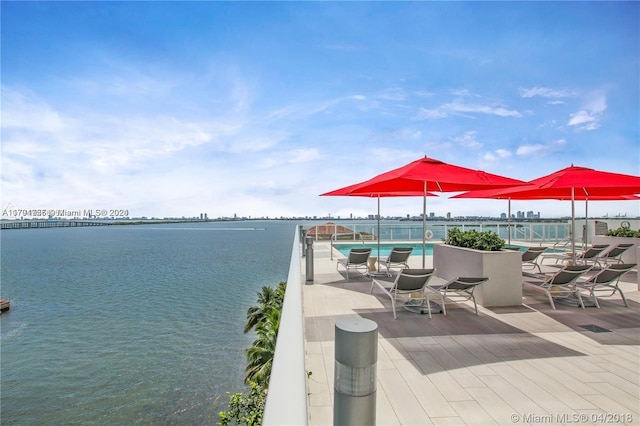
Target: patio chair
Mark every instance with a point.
(606, 280)
(591, 255)
(561, 284)
(530, 257)
(458, 289)
(358, 258)
(397, 258)
(615, 254)
(408, 281)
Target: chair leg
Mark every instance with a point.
(442, 298)
(580, 298)
(428, 304)
(624, 299)
(594, 298)
(553, 305)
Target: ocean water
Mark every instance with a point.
(131, 324)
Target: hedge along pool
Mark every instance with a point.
(385, 248)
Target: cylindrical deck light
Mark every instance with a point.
(356, 356)
(309, 260)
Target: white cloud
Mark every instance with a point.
(460, 108)
(496, 155)
(588, 118)
(468, 140)
(545, 92)
(503, 153)
(23, 110)
(535, 149)
(303, 155)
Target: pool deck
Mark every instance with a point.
(518, 365)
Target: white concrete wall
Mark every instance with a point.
(503, 268)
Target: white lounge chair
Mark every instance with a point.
(560, 284)
(606, 281)
(530, 257)
(407, 282)
(358, 259)
(458, 289)
(615, 254)
(591, 255)
(397, 258)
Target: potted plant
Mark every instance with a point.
(481, 254)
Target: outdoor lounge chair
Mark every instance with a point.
(358, 259)
(615, 254)
(397, 258)
(530, 257)
(561, 284)
(591, 255)
(460, 288)
(606, 280)
(408, 281)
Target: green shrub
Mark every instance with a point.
(245, 409)
(487, 240)
(624, 232)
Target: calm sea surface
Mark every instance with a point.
(131, 324)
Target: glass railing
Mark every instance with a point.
(547, 232)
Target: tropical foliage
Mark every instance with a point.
(487, 240)
(264, 319)
(245, 409)
(624, 232)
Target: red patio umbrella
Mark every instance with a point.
(347, 191)
(429, 174)
(573, 183)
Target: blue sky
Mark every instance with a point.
(256, 108)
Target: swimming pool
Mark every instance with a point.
(385, 248)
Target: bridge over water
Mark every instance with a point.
(51, 223)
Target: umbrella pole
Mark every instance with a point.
(586, 224)
(509, 222)
(424, 224)
(573, 222)
(378, 262)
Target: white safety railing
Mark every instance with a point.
(531, 232)
(287, 397)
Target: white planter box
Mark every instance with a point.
(503, 268)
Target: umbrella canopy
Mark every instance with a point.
(428, 174)
(571, 183)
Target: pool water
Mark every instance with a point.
(385, 248)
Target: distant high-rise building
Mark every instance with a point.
(448, 215)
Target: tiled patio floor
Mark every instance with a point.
(515, 365)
